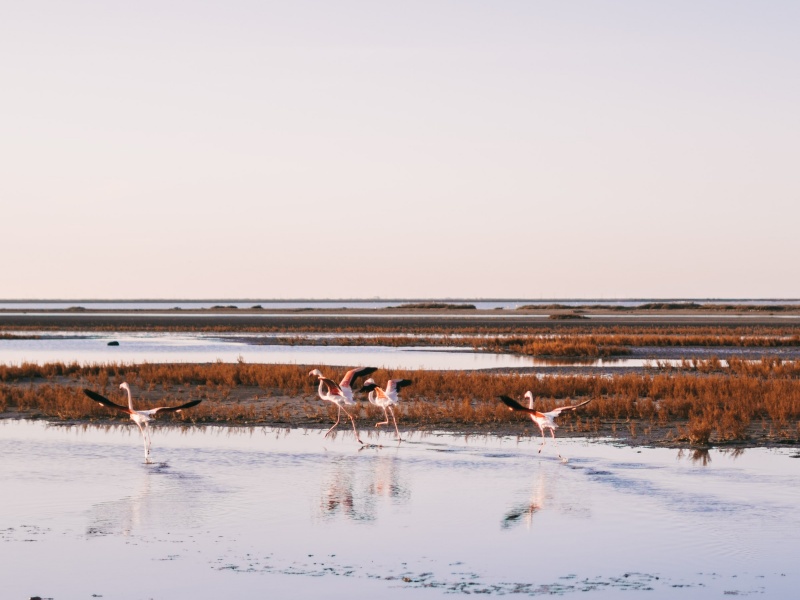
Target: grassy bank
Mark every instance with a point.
(699, 402)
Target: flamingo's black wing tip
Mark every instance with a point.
(512, 404)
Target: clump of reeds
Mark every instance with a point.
(561, 346)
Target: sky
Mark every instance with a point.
(399, 149)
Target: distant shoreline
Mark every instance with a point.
(332, 319)
(553, 300)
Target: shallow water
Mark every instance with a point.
(204, 348)
(194, 348)
(246, 512)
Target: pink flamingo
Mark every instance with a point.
(543, 420)
(140, 417)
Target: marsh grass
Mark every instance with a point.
(699, 404)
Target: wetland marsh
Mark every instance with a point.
(681, 476)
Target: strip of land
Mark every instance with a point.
(752, 399)
(745, 404)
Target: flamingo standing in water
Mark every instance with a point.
(341, 394)
(385, 398)
(140, 417)
(543, 420)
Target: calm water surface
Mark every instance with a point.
(203, 348)
(252, 512)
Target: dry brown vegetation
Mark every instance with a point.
(696, 401)
(574, 345)
(634, 334)
(529, 345)
(699, 402)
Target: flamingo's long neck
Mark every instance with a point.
(130, 399)
(319, 390)
(530, 402)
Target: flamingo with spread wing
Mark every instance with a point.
(342, 394)
(385, 399)
(140, 417)
(544, 420)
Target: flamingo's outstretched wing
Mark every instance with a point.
(557, 411)
(106, 402)
(396, 385)
(154, 411)
(332, 387)
(350, 377)
(368, 387)
(517, 407)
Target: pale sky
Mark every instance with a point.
(164, 149)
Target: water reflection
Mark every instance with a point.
(338, 495)
(166, 347)
(523, 513)
(293, 513)
(196, 348)
(354, 489)
(696, 455)
(386, 480)
(703, 455)
(120, 516)
(549, 491)
(163, 499)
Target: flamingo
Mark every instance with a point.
(349, 379)
(341, 394)
(140, 417)
(543, 420)
(385, 398)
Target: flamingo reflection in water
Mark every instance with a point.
(524, 512)
(356, 489)
(140, 417)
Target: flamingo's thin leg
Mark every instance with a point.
(354, 425)
(144, 441)
(386, 422)
(395, 422)
(338, 418)
(555, 443)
